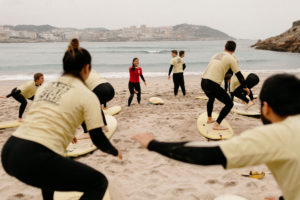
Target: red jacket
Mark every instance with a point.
(135, 74)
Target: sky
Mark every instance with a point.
(242, 19)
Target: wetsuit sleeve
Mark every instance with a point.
(241, 79)
(170, 69)
(31, 98)
(142, 77)
(103, 117)
(184, 66)
(251, 95)
(226, 86)
(101, 142)
(190, 154)
(13, 92)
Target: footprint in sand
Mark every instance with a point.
(211, 181)
(230, 184)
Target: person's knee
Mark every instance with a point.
(101, 182)
(131, 96)
(229, 104)
(24, 102)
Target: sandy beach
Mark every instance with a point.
(144, 175)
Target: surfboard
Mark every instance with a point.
(230, 197)
(9, 124)
(156, 101)
(241, 109)
(202, 97)
(207, 129)
(86, 146)
(255, 96)
(75, 195)
(112, 110)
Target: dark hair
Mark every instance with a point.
(134, 59)
(75, 59)
(281, 92)
(181, 53)
(37, 76)
(175, 52)
(230, 46)
(252, 80)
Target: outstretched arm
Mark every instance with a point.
(170, 69)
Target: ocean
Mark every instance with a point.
(19, 61)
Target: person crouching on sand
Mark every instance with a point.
(135, 72)
(26, 91)
(177, 66)
(276, 144)
(212, 79)
(34, 153)
(236, 90)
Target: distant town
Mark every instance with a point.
(47, 33)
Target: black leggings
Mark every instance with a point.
(178, 80)
(212, 91)
(240, 93)
(21, 99)
(105, 92)
(38, 166)
(132, 87)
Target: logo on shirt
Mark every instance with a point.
(53, 91)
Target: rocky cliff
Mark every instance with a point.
(287, 41)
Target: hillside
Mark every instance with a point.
(288, 41)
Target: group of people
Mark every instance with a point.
(34, 153)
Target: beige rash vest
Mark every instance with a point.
(219, 65)
(28, 89)
(94, 80)
(57, 111)
(177, 63)
(277, 146)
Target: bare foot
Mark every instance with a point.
(84, 136)
(20, 120)
(251, 103)
(210, 120)
(219, 127)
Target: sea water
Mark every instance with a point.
(19, 61)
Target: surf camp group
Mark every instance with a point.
(37, 151)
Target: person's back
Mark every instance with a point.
(55, 103)
(94, 80)
(177, 63)
(235, 83)
(219, 65)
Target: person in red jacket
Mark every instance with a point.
(135, 73)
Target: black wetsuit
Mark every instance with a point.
(178, 80)
(137, 87)
(194, 154)
(215, 91)
(16, 94)
(36, 165)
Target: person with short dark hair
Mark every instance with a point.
(212, 79)
(236, 90)
(276, 144)
(35, 153)
(135, 72)
(177, 66)
(26, 91)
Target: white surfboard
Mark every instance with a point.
(74, 195)
(112, 110)
(202, 97)
(86, 146)
(207, 129)
(243, 109)
(9, 124)
(230, 197)
(156, 101)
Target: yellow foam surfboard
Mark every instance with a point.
(9, 124)
(230, 197)
(75, 195)
(202, 97)
(242, 109)
(86, 146)
(156, 101)
(207, 129)
(112, 110)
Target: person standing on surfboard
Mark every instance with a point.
(177, 66)
(26, 91)
(34, 153)
(135, 72)
(276, 144)
(235, 89)
(213, 78)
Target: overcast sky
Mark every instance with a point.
(247, 19)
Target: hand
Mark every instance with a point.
(74, 141)
(143, 139)
(3, 97)
(120, 154)
(247, 90)
(145, 83)
(105, 129)
(169, 77)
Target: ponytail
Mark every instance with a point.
(75, 59)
